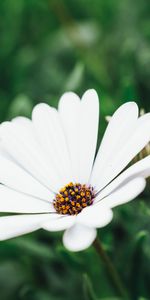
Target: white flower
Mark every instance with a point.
(39, 158)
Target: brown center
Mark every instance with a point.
(72, 198)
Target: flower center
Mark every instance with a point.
(72, 198)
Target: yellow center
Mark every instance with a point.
(72, 198)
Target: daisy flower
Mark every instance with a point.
(51, 177)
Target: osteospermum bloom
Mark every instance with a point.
(50, 175)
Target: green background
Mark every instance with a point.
(47, 48)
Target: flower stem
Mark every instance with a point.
(113, 274)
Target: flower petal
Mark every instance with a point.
(69, 109)
(89, 117)
(139, 169)
(124, 194)
(18, 179)
(20, 142)
(14, 226)
(116, 135)
(12, 201)
(80, 123)
(51, 136)
(60, 223)
(96, 217)
(78, 237)
(135, 143)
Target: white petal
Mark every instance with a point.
(78, 237)
(51, 136)
(89, 116)
(139, 169)
(124, 194)
(69, 109)
(96, 217)
(17, 178)
(12, 201)
(20, 143)
(116, 135)
(22, 121)
(60, 223)
(80, 123)
(18, 225)
(135, 143)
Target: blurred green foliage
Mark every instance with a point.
(46, 48)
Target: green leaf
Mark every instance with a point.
(21, 106)
(89, 293)
(75, 78)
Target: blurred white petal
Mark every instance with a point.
(124, 194)
(14, 226)
(59, 223)
(92, 216)
(79, 237)
(12, 201)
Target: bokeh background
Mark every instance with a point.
(46, 48)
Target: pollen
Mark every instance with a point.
(72, 198)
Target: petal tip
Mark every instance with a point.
(79, 237)
(90, 93)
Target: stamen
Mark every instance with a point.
(72, 198)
